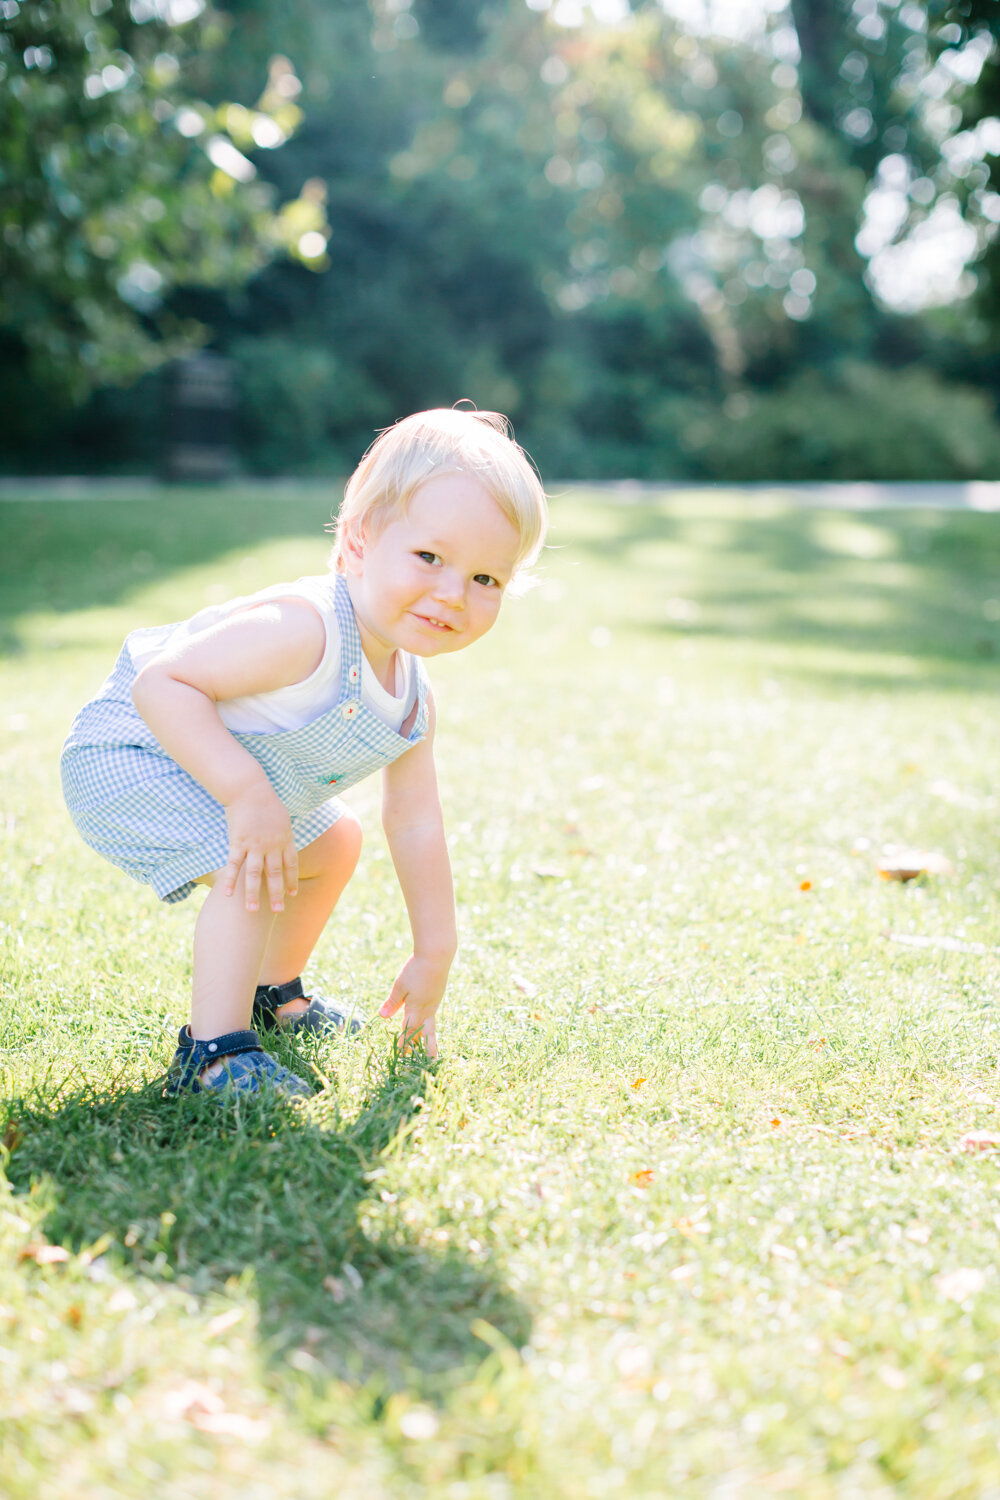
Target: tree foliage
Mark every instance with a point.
(117, 184)
(628, 237)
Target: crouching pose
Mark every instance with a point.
(214, 752)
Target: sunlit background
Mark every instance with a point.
(709, 239)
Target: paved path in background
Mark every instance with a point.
(976, 495)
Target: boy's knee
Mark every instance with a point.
(344, 840)
(335, 852)
(351, 835)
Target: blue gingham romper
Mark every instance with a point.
(144, 813)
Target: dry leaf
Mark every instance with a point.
(335, 1287)
(191, 1396)
(963, 1282)
(12, 1136)
(643, 1178)
(230, 1424)
(979, 1140)
(907, 864)
(223, 1321)
(637, 1084)
(43, 1254)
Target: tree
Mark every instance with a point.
(116, 184)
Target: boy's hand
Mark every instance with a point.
(262, 845)
(419, 987)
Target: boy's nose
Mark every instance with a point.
(451, 589)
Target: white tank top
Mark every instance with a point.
(298, 704)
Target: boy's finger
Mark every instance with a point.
(230, 874)
(420, 1036)
(275, 876)
(390, 1007)
(291, 867)
(251, 881)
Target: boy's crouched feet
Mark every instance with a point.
(235, 1062)
(314, 1013)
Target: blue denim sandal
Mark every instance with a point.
(322, 1016)
(247, 1069)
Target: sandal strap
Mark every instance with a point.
(268, 997)
(193, 1056)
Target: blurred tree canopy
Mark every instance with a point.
(661, 252)
(117, 183)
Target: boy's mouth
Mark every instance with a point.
(434, 622)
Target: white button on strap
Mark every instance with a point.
(349, 710)
(353, 674)
(213, 1046)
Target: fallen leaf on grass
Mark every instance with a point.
(44, 1255)
(907, 864)
(230, 1424)
(205, 1409)
(963, 1282)
(945, 944)
(191, 1396)
(643, 1178)
(336, 1288)
(637, 1084)
(948, 792)
(12, 1136)
(979, 1140)
(223, 1321)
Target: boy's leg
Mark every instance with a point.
(325, 867)
(229, 946)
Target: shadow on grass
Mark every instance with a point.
(196, 1195)
(67, 555)
(920, 584)
(907, 583)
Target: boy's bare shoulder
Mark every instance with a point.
(269, 645)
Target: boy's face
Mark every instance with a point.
(432, 580)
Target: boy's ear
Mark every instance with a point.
(352, 548)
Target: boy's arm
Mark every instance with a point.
(414, 828)
(176, 694)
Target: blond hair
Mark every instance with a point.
(444, 441)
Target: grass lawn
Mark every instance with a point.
(689, 1206)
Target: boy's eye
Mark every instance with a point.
(428, 557)
(486, 580)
